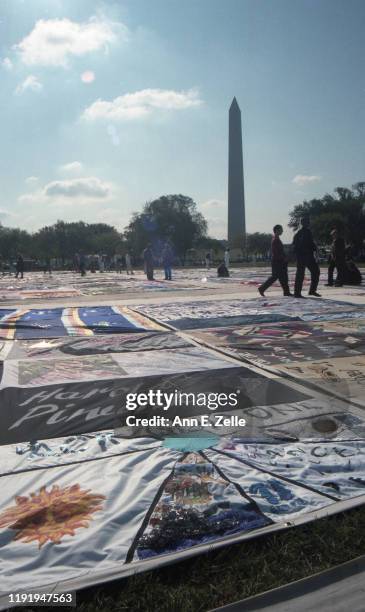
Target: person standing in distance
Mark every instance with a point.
(279, 264)
(337, 259)
(226, 258)
(19, 266)
(304, 249)
(167, 259)
(148, 261)
(128, 263)
(82, 264)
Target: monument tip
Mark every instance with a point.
(234, 103)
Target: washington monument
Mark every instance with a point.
(236, 192)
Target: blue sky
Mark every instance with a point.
(106, 105)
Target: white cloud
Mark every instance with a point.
(52, 42)
(7, 63)
(213, 205)
(90, 187)
(304, 179)
(141, 103)
(71, 168)
(30, 83)
(79, 190)
(31, 180)
(88, 76)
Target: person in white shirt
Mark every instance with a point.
(128, 264)
(101, 263)
(226, 258)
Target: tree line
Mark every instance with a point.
(345, 211)
(177, 219)
(59, 241)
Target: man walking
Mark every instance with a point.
(337, 259)
(304, 248)
(279, 264)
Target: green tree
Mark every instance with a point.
(13, 241)
(45, 243)
(210, 244)
(62, 240)
(173, 216)
(105, 239)
(344, 210)
(258, 243)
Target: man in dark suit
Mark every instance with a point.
(304, 249)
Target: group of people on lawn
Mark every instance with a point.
(305, 250)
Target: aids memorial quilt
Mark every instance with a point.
(84, 509)
(222, 313)
(76, 321)
(100, 480)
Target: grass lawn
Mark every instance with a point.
(237, 571)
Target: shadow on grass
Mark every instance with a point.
(235, 572)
